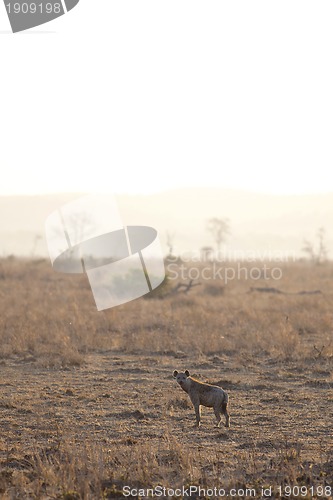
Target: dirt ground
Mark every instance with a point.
(90, 410)
(129, 408)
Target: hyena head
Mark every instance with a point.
(181, 378)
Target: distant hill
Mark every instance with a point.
(259, 223)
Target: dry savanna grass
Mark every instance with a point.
(89, 405)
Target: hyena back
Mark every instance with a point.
(208, 395)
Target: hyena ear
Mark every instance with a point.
(187, 373)
(175, 373)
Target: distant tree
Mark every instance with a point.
(170, 237)
(37, 238)
(322, 250)
(317, 251)
(206, 253)
(219, 228)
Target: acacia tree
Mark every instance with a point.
(317, 251)
(170, 237)
(219, 228)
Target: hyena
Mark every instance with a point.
(204, 395)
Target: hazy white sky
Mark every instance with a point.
(142, 96)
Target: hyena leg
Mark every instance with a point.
(224, 408)
(197, 409)
(217, 412)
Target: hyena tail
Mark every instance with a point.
(224, 409)
(224, 404)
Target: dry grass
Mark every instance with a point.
(89, 405)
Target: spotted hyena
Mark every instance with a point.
(204, 395)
